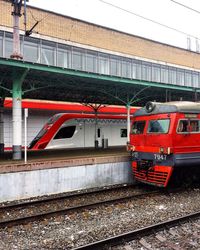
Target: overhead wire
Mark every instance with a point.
(185, 6)
(148, 19)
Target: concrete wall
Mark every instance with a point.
(28, 184)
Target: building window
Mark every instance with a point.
(65, 132)
(47, 53)
(155, 73)
(31, 50)
(136, 69)
(180, 77)
(164, 74)
(172, 76)
(103, 64)
(8, 45)
(77, 59)
(1, 44)
(188, 78)
(126, 68)
(91, 62)
(63, 55)
(115, 69)
(146, 71)
(195, 79)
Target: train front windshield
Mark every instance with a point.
(43, 131)
(160, 126)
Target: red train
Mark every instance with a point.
(164, 137)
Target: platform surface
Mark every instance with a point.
(62, 158)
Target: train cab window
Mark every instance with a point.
(158, 126)
(123, 132)
(65, 132)
(138, 127)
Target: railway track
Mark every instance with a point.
(39, 209)
(83, 226)
(139, 233)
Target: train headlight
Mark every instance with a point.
(165, 150)
(161, 150)
(130, 147)
(149, 107)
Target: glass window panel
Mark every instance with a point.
(164, 74)
(136, 69)
(1, 46)
(65, 132)
(8, 47)
(195, 79)
(31, 50)
(77, 59)
(91, 62)
(123, 132)
(188, 78)
(103, 64)
(180, 77)
(63, 56)
(115, 66)
(172, 75)
(47, 53)
(158, 126)
(146, 71)
(155, 73)
(138, 127)
(126, 68)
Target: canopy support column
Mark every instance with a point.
(128, 107)
(17, 114)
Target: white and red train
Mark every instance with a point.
(68, 125)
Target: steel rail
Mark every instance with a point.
(53, 198)
(125, 237)
(50, 213)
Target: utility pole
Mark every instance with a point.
(16, 13)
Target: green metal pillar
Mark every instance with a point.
(128, 107)
(17, 114)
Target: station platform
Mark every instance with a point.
(56, 171)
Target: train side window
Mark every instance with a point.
(138, 127)
(98, 132)
(194, 125)
(158, 126)
(123, 132)
(183, 126)
(65, 132)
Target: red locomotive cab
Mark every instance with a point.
(164, 137)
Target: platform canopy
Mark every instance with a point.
(54, 83)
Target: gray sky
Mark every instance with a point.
(121, 17)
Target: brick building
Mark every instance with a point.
(71, 43)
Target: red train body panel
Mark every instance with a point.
(164, 136)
